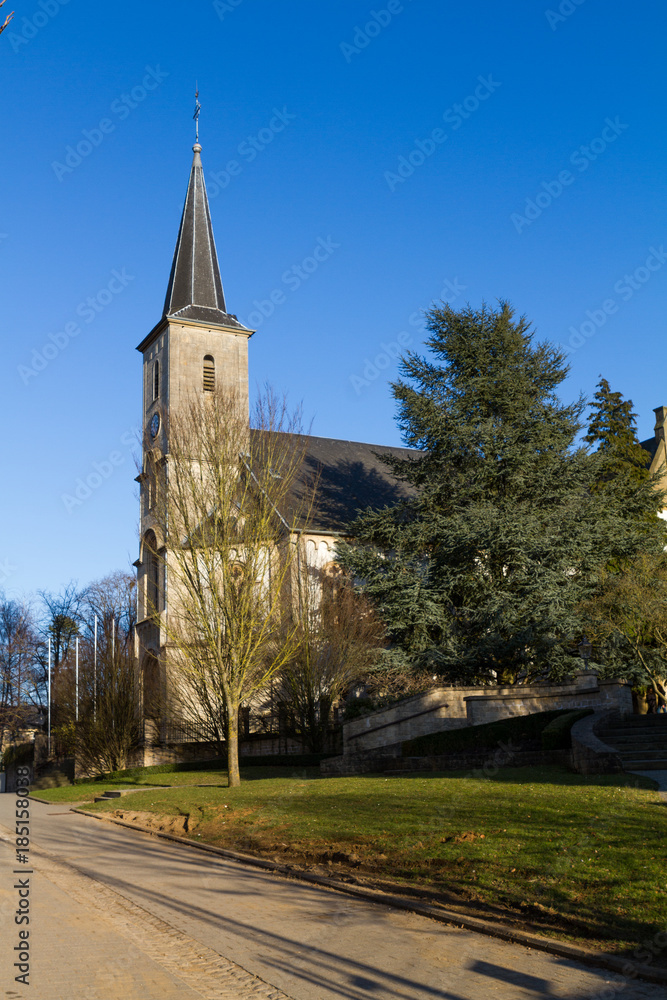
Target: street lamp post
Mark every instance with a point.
(585, 649)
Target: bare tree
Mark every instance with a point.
(339, 638)
(226, 504)
(113, 601)
(59, 622)
(17, 649)
(109, 718)
(111, 731)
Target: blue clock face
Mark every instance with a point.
(155, 424)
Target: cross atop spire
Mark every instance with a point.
(196, 114)
(195, 286)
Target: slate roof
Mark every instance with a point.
(195, 287)
(650, 445)
(350, 476)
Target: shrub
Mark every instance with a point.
(64, 739)
(556, 736)
(14, 756)
(357, 708)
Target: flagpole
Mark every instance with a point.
(48, 727)
(95, 675)
(76, 700)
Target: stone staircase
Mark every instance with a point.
(112, 795)
(640, 741)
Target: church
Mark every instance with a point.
(196, 346)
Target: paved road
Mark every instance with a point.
(118, 913)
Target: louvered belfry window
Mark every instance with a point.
(156, 380)
(209, 374)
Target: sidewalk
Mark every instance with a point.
(88, 942)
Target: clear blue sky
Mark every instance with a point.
(316, 103)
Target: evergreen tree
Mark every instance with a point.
(480, 573)
(612, 428)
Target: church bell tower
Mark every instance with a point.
(196, 346)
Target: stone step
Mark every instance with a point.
(621, 744)
(644, 754)
(645, 727)
(636, 734)
(643, 721)
(645, 765)
(614, 734)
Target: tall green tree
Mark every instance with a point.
(480, 573)
(612, 430)
(628, 622)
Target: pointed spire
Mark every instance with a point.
(195, 287)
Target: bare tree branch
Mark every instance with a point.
(7, 19)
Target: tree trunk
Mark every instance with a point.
(233, 773)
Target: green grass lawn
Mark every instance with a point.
(580, 857)
(138, 778)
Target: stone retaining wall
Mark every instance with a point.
(589, 754)
(436, 710)
(585, 692)
(446, 708)
(368, 741)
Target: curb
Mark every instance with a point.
(624, 966)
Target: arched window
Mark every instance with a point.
(153, 603)
(156, 380)
(209, 374)
(152, 484)
(333, 578)
(333, 582)
(151, 686)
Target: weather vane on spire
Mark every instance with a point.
(196, 114)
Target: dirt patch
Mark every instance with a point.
(180, 826)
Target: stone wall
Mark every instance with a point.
(446, 708)
(589, 754)
(374, 741)
(586, 691)
(152, 754)
(431, 712)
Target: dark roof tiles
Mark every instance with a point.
(349, 476)
(195, 286)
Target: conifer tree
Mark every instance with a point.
(480, 573)
(612, 427)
